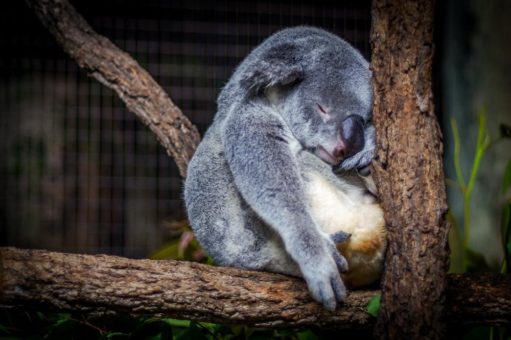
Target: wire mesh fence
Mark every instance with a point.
(78, 172)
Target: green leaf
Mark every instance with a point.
(64, 327)
(168, 251)
(457, 150)
(116, 335)
(506, 182)
(192, 333)
(176, 322)
(373, 307)
(306, 335)
(154, 337)
(455, 245)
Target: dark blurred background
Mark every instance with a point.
(79, 173)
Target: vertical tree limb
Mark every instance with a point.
(409, 171)
(117, 70)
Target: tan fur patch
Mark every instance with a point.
(351, 212)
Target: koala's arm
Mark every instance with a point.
(364, 157)
(266, 173)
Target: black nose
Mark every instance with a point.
(352, 137)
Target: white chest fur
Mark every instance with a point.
(352, 210)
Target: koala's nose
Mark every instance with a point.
(351, 137)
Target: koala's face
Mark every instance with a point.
(329, 112)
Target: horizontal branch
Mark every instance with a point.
(186, 290)
(117, 70)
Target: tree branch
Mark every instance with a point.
(186, 290)
(117, 70)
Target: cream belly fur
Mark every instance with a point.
(353, 211)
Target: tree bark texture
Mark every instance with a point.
(409, 171)
(186, 290)
(117, 70)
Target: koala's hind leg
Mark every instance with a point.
(255, 247)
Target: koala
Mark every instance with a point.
(261, 192)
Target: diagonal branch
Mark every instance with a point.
(117, 70)
(185, 290)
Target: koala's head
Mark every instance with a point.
(322, 88)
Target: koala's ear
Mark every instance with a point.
(277, 66)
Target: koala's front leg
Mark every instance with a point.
(266, 173)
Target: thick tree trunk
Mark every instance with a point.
(117, 70)
(409, 171)
(100, 283)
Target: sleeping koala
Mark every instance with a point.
(261, 193)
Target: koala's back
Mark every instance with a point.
(223, 223)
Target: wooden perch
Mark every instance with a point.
(117, 70)
(186, 290)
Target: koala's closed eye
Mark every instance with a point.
(323, 112)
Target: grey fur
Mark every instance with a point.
(245, 187)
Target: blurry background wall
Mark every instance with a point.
(78, 172)
(474, 74)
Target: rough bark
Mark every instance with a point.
(409, 171)
(117, 70)
(466, 302)
(106, 284)
(184, 290)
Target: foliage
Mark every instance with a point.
(464, 259)
(184, 247)
(35, 325)
(373, 307)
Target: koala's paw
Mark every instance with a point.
(360, 160)
(324, 281)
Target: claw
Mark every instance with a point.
(340, 261)
(340, 237)
(330, 305)
(339, 290)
